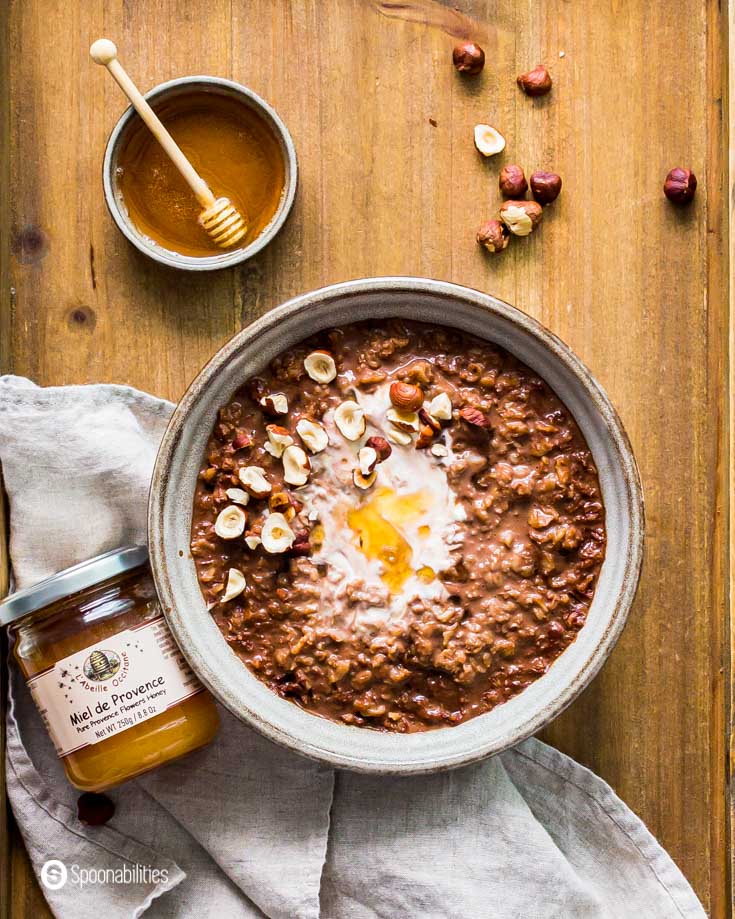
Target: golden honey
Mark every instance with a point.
(115, 693)
(231, 147)
(377, 524)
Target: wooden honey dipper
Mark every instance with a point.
(219, 217)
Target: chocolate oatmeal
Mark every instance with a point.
(397, 526)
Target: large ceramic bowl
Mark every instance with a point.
(172, 495)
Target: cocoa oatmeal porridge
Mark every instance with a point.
(397, 526)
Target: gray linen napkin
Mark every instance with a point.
(243, 828)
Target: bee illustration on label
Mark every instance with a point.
(101, 665)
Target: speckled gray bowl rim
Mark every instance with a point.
(113, 196)
(170, 509)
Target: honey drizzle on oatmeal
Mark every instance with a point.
(377, 524)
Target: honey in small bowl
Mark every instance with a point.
(228, 142)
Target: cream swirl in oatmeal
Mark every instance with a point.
(386, 548)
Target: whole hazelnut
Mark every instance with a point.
(545, 186)
(680, 185)
(493, 235)
(468, 58)
(406, 396)
(301, 544)
(536, 82)
(521, 217)
(512, 182)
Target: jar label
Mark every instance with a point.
(112, 686)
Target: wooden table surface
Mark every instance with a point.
(391, 184)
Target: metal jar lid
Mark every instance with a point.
(71, 581)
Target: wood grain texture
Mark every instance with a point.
(639, 289)
(730, 721)
(5, 816)
(5, 322)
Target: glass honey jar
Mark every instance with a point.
(116, 695)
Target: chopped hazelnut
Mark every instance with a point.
(381, 447)
(279, 501)
(235, 585)
(230, 522)
(429, 421)
(254, 481)
(313, 435)
(278, 439)
(405, 421)
(487, 140)
(474, 416)
(275, 403)
(367, 458)
(296, 466)
(440, 407)
(364, 481)
(396, 436)
(350, 420)
(493, 236)
(237, 496)
(320, 366)
(301, 544)
(277, 536)
(242, 441)
(426, 436)
(521, 217)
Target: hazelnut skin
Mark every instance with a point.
(545, 186)
(493, 236)
(468, 58)
(536, 82)
(680, 185)
(512, 182)
(473, 416)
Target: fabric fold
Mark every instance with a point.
(262, 815)
(51, 830)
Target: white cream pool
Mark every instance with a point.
(384, 546)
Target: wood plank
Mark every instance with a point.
(640, 290)
(730, 713)
(719, 275)
(5, 323)
(5, 816)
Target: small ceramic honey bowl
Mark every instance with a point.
(234, 139)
